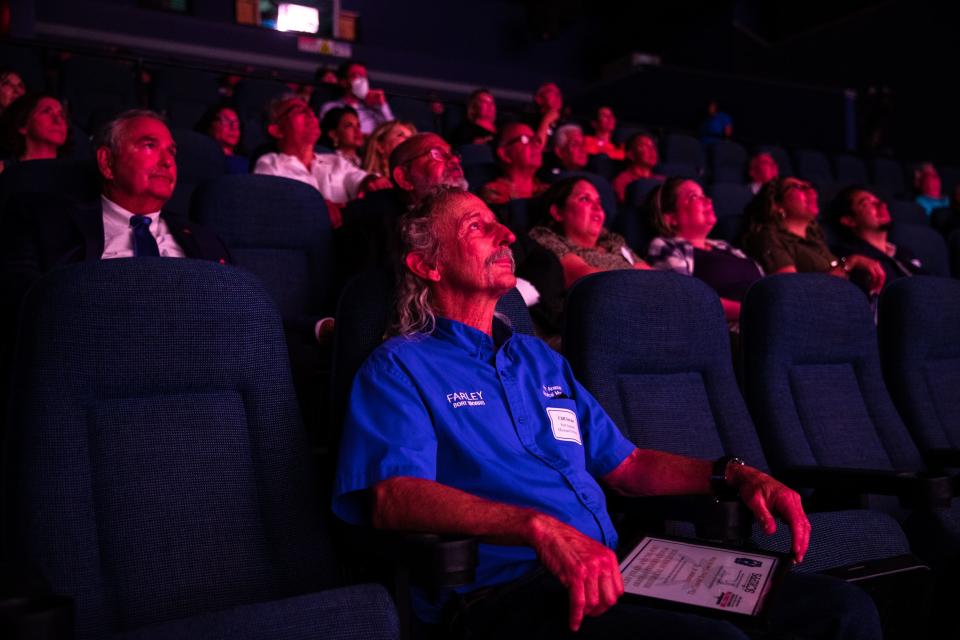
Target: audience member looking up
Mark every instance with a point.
(718, 125)
(34, 128)
(295, 129)
(784, 236)
(11, 88)
(927, 184)
(865, 222)
(136, 158)
(761, 170)
(642, 157)
(683, 216)
(548, 101)
(414, 459)
(573, 230)
(340, 129)
(381, 144)
(480, 126)
(568, 153)
(418, 165)
(223, 125)
(370, 104)
(520, 156)
(604, 123)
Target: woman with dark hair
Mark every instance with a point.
(480, 126)
(34, 127)
(683, 216)
(784, 236)
(574, 232)
(340, 131)
(864, 223)
(222, 123)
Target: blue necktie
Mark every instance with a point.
(144, 243)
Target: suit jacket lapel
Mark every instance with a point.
(182, 233)
(89, 221)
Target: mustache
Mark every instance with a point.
(503, 254)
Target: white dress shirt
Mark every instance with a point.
(118, 236)
(334, 177)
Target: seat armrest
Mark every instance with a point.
(434, 561)
(917, 490)
(719, 520)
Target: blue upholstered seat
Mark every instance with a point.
(158, 470)
(919, 329)
(653, 348)
(815, 388)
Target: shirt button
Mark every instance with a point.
(584, 496)
(521, 420)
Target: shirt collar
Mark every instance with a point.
(475, 342)
(113, 210)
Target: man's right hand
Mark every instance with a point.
(375, 98)
(587, 569)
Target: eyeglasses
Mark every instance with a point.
(438, 154)
(522, 139)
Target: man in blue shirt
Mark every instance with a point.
(458, 426)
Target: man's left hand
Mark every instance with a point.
(375, 98)
(767, 498)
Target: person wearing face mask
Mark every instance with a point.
(370, 104)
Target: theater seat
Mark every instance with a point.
(919, 329)
(279, 230)
(728, 162)
(815, 388)
(652, 347)
(158, 472)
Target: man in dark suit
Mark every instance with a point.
(136, 158)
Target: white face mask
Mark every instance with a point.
(360, 87)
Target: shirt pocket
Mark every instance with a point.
(560, 435)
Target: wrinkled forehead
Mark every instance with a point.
(453, 209)
(419, 145)
(143, 126)
(547, 89)
(514, 129)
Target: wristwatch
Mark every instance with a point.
(718, 476)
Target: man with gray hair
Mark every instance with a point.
(136, 159)
(456, 425)
(569, 153)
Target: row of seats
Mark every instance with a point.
(194, 439)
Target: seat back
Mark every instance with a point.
(730, 199)
(679, 147)
(850, 169)
(97, 89)
(907, 212)
(728, 162)
(652, 347)
(279, 229)
(76, 180)
(812, 376)
(813, 165)
(888, 174)
(157, 467)
(920, 345)
(926, 244)
(199, 160)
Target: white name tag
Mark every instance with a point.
(564, 424)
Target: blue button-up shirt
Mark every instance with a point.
(509, 424)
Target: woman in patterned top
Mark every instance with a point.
(574, 232)
(683, 216)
